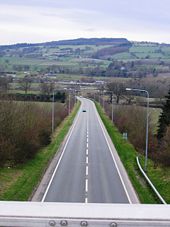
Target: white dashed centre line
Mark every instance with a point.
(87, 152)
(87, 160)
(87, 168)
(87, 171)
(86, 185)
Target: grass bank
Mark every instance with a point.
(160, 177)
(18, 183)
(127, 154)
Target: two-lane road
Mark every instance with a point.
(87, 171)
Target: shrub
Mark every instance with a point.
(132, 119)
(164, 152)
(24, 129)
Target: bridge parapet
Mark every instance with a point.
(37, 214)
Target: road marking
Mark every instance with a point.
(71, 132)
(87, 145)
(87, 152)
(121, 179)
(87, 140)
(87, 171)
(86, 200)
(86, 185)
(87, 160)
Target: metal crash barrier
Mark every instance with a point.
(80, 214)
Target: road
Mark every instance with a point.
(87, 171)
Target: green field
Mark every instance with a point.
(71, 62)
(154, 52)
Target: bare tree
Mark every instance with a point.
(47, 88)
(4, 84)
(117, 88)
(25, 84)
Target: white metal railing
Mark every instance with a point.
(37, 214)
(150, 183)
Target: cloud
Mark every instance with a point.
(37, 21)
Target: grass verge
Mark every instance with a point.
(127, 154)
(160, 177)
(17, 184)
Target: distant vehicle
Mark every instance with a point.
(84, 111)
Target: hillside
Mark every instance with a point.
(80, 41)
(104, 57)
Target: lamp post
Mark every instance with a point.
(112, 107)
(69, 104)
(147, 121)
(75, 98)
(103, 100)
(52, 114)
(99, 96)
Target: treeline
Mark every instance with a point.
(157, 88)
(105, 52)
(59, 96)
(80, 41)
(129, 69)
(24, 129)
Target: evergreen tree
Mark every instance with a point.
(164, 120)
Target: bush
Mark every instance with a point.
(132, 119)
(164, 149)
(24, 129)
(45, 137)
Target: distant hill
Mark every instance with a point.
(105, 57)
(80, 41)
(91, 41)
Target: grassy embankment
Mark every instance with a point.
(159, 176)
(18, 183)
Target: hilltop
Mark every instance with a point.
(79, 41)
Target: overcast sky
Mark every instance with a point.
(46, 20)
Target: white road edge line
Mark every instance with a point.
(86, 200)
(99, 120)
(71, 132)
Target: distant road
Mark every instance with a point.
(88, 171)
